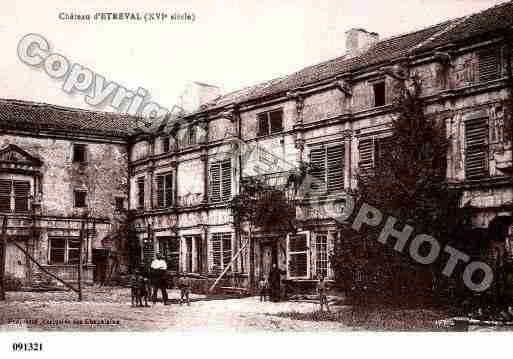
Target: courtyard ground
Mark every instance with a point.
(109, 309)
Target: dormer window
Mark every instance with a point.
(270, 122)
(379, 93)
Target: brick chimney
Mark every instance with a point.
(197, 94)
(359, 40)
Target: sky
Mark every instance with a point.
(231, 43)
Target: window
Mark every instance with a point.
(170, 248)
(14, 195)
(80, 199)
(166, 144)
(221, 250)
(476, 148)
(79, 153)
(270, 123)
(379, 94)
(64, 250)
(120, 204)
(188, 254)
(298, 256)
(321, 253)
(140, 192)
(220, 181)
(327, 168)
(164, 190)
(371, 151)
(489, 65)
(191, 135)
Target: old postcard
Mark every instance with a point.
(253, 167)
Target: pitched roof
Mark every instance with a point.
(455, 30)
(16, 114)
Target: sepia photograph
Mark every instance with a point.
(255, 167)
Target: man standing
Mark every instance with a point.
(158, 269)
(275, 283)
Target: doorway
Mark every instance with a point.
(268, 256)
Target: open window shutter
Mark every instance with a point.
(489, 64)
(215, 182)
(335, 162)
(476, 134)
(216, 252)
(226, 169)
(263, 124)
(21, 195)
(382, 146)
(298, 256)
(5, 195)
(160, 191)
(227, 249)
(318, 170)
(276, 119)
(169, 189)
(57, 250)
(366, 155)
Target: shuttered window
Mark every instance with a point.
(140, 192)
(298, 255)
(64, 250)
(164, 191)
(5, 195)
(476, 148)
(14, 196)
(366, 155)
(327, 169)
(270, 123)
(169, 247)
(221, 251)
(489, 65)
(371, 151)
(220, 181)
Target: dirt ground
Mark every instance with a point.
(109, 309)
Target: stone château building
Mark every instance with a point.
(177, 181)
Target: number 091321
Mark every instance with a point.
(27, 347)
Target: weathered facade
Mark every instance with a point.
(179, 180)
(333, 115)
(61, 170)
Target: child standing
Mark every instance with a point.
(134, 287)
(263, 286)
(185, 290)
(321, 291)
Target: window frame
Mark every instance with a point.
(325, 169)
(83, 192)
(382, 84)
(140, 195)
(164, 248)
(211, 187)
(328, 235)
(12, 197)
(223, 237)
(67, 250)
(266, 116)
(119, 203)
(75, 147)
(485, 147)
(307, 252)
(166, 144)
(167, 189)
